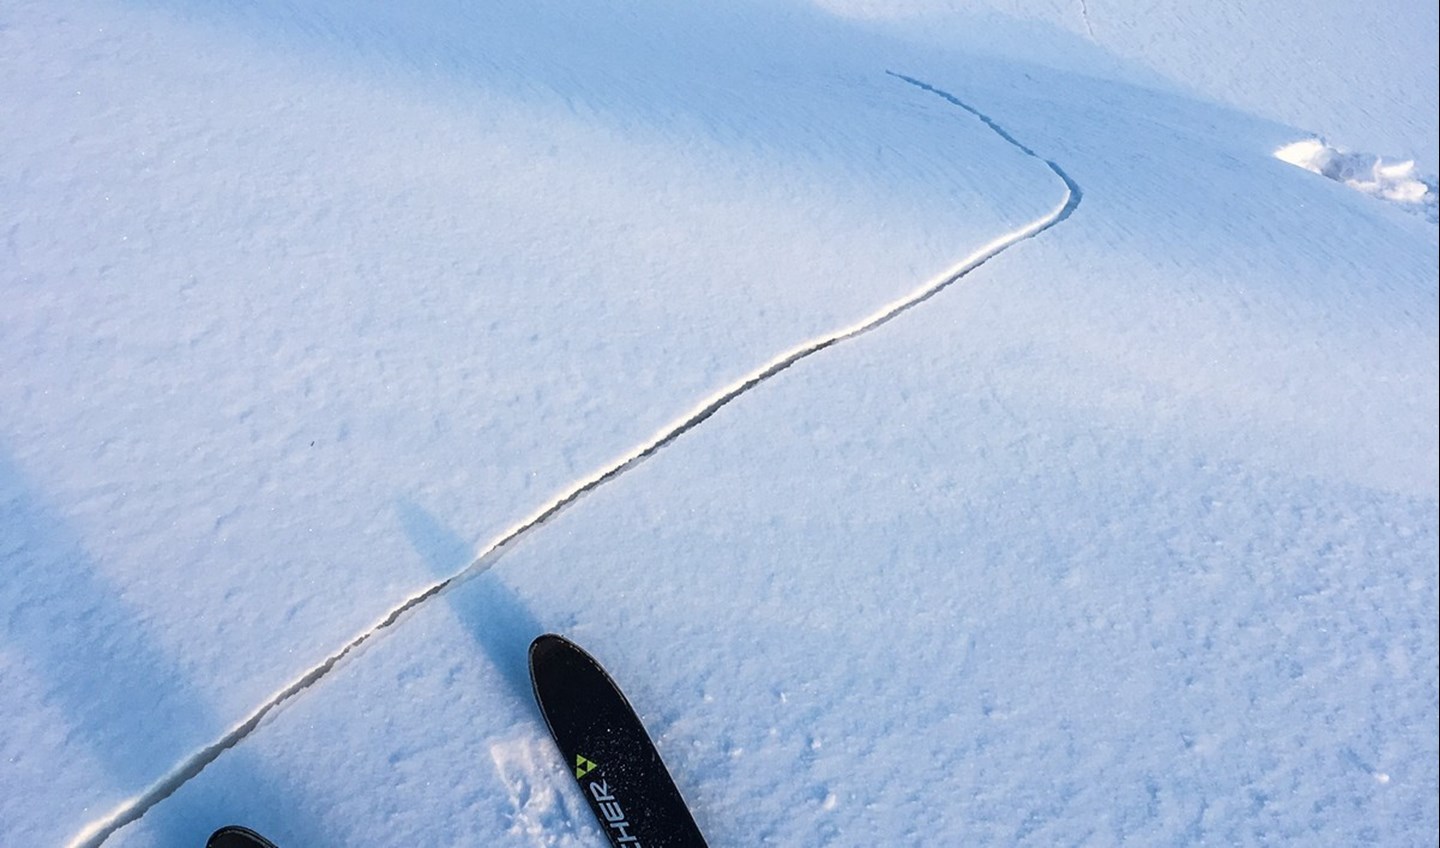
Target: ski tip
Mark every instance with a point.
(548, 644)
(235, 836)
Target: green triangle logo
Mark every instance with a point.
(582, 766)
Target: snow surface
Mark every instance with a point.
(1004, 449)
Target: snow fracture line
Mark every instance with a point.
(97, 832)
(1085, 16)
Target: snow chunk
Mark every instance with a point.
(1394, 180)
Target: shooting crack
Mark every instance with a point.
(1085, 16)
(98, 831)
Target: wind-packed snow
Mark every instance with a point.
(943, 441)
(1357, 74)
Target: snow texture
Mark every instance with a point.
(949, 422)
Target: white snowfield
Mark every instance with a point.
(950, 423)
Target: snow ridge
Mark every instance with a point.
(100, 830)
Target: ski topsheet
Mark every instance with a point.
(607, 749)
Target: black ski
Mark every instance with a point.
(234, 836)
(612, 757)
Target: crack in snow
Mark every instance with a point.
(98, 831)
(1085, 16)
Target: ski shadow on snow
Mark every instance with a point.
(494, 614)
(126, 704)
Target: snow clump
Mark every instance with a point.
(1394, 180)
